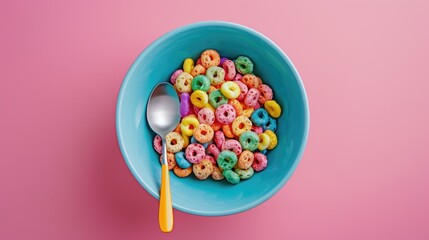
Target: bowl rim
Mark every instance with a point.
(187, 27)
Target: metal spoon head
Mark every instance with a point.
(163, 110)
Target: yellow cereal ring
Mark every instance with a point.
(264, 141)
(182, 172)
(174, 142)
(210, 106)
(183, 82)
(230, 90)
(185, 141)
(199, 98)
(273, 139)
(248, 112)
(240, 125)
(188, 65)
(198, 70)
(273, 108)
(189, 123)
(237, 106)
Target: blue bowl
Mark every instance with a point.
(156, 63)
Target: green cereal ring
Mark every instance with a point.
(216, 98)
(249, 140)
(226, 159)
(200, 82)
(244, 174)
(216, 75)
(231, 176)
(244, 65)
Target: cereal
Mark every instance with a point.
(249, 140)
(241, 124)
(225, 114)
(260, 162)
(273, 108)
(216, 75)
(183, 82)
(229, 68)
(259, 117)
(188, 65)
(226, 159)
(264, 141)
(203, 133)
(206, 116)
(199, 98)
(245, 160)
(244, 65)
(230, 90)
(200, 82)
(195, 152)
(174, 142)
(216, 98)
(228, 119)
(170, 160)
(182, 172)
(210, 58)
(231, 176)
(203, 169)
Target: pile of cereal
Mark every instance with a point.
(224, 132)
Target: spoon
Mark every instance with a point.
(163, 114)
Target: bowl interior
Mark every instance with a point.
(156, 64)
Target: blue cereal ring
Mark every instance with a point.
(270, 125)
(259, 117)
(181, 160)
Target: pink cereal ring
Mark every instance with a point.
(257, 129)
(232, 145)
(157, 144)
(266, 93)
(225, 114)
(213, 150)
(174, 75)
(229, 68)
(251, 97)
(219, 138)
(260, 162)
(195, 153)
(206, 115)
(210, 158)
(243, 89)
(238, 77)
(185, 104)
(256, 106)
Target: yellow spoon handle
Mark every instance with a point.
(165, 216)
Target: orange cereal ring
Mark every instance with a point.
(216, 126)
(203, 133)
(182, 172)
(212, 88)
(203, 169)
(217, 173)
(210, 58)
(198, 70)
(226, 129)
(250, 80)
(177, 129)
(240, 125)
(259, 80)
(237, 106)
(171, 159)
(245, 160)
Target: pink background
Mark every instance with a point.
(364, 174)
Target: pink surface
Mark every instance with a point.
(364, 174)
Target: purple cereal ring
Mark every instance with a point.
(195, 153)
(157, 144)
(232, 145)
(257, 129)
(229, 67)
(185, 103)
(251, 97)
(222, 60)
(238, 77)
(213, 150)
(210, 158)
(243, 89)
(260, 162)
(174, 76)
(219, 138)
(266, 93)
(206, 115)
(225, 114)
